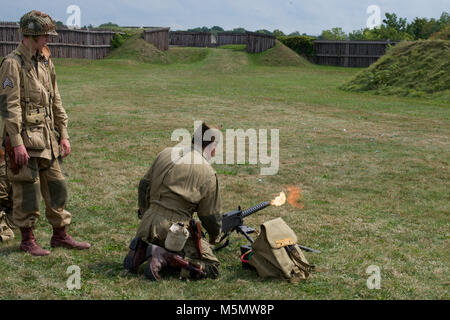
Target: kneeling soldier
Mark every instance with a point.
(172, 190)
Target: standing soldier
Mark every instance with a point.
(35, 133)
(170, 192)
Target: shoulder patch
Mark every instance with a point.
(8, 83)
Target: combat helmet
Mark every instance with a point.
(37, 23)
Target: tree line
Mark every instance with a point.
(392, 28)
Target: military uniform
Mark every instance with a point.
(172, 192)
(32, 112)
(33, 117)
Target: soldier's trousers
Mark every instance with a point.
(41, 176)
(154, 227)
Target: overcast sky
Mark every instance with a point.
(309, 17)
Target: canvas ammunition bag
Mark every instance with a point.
(276, 255)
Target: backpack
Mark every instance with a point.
(275, 253)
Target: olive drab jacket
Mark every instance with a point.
(30, 104)
(171, 191)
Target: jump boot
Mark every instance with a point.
(29, 243)
(60, 238)
(160, 257)
(136, 256)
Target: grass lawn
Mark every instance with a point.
(373, 169)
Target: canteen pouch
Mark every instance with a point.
(176, 237)
(276, 255)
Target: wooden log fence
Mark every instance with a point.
(159, 37)
(190, 39)
(70, 43)
(259, 42)
(226, 38)
(349, 53)
(95, 44)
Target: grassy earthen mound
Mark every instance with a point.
(418, 68)
(136, 48)
(280, 55)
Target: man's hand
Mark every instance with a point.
(65, 148)
(21, 155)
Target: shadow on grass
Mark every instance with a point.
(6, 251)
(109, 269)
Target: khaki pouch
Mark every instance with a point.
(30, 173)
(33, 137)
(35, 116)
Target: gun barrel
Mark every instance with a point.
(256, 208)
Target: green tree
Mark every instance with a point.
(445, 19)
(333, 34)
(432, 26)
(384, 32)
(217, 29)
(391, 21)
(357, 35)
(108, 25)
(239, 30)
(278, 33)
(416, 28)
(264, 31)
(303, 45)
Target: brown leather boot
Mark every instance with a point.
(29, 243)
(60, 238)
(156, 262)
(160, 258)
(136, 256)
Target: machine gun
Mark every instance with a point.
(234, 221)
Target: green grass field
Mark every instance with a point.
(373, 169)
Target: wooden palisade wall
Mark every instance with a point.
(159, 37)
(190, 39)
(224, 38)
(259, 42)
(349, 53)
(70, 43)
